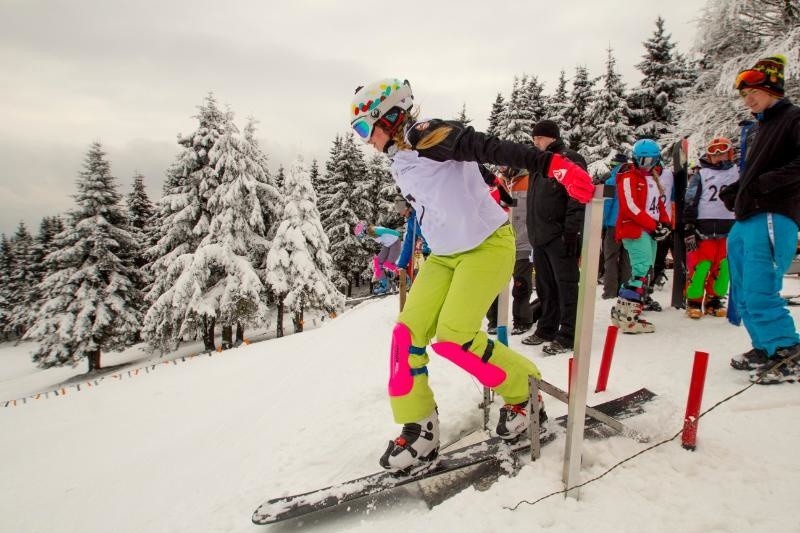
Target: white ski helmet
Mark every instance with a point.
(376, 101)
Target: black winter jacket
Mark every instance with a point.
(551, 212)
(463, 143)
(770, 181)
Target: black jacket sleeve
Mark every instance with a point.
(463, 143)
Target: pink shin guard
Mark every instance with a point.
(391, 267)
(400, 379)
(488, 374)
(376, 267)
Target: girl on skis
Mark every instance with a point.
(383, 263)
(436, 165)
(642, 221)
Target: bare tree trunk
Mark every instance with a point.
(94, 360)
(239, 333)
(279, 331)
(227, 336)
(208, 333)
(297, 319)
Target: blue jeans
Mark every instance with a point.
(757, 261)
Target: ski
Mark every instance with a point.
(493, 449)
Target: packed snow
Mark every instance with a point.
(188, 442)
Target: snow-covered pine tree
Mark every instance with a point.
(462, 115)
(732, 36)
(386, 190)
(517, 122)
(20, 280)
(140, 219)
(556, 106)
(653, 103)
(280, 178)
(342, 210)
(580, 128)
(496, 115)
(183, 221)
(43, 244)
(610, 115)
(271, 197)
(536, 99)
(298, 263)
(313, 174)
(6, 267)
(91, 302)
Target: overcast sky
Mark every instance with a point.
(131, 74)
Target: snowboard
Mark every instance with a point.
(680, 168)
(493, 449)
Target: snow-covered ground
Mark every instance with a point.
(197, 444)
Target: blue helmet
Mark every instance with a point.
(646, 153)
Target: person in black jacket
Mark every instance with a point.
(555, 222)
(763, 240)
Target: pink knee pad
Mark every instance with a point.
(376, 267)
(488, 374)
(400, 379)
(391, 267)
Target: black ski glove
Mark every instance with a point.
(661, 232)
(690, 240)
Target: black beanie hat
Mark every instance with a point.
(546, 128)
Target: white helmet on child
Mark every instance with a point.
(388, 99)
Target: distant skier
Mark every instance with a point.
(383, 263)
(706, 226)
(413, 238)
(435, 164)
(642, 221)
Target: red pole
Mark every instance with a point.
(605, 362)
(695, 399)
(569, 375)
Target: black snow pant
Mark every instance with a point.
(557, 278)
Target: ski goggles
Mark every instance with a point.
(718, 148)
(363, 127)
(750, 78)
(648, 162)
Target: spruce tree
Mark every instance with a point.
(580, 128)
(140, 221)
(462, 115)
(654, 102)
(344, 207)
(610, 115)
(557, 105)
(20, 281)
(536, 99)
(518, 119)
(298, 263)
(91, 302)
(6, 268)
(183, 221)
(43, 245)
(496, 115)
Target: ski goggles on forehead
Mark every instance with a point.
(719, 148)
(749, 78)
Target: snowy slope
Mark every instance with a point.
(196, 446)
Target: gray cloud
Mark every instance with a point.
(131, 74)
